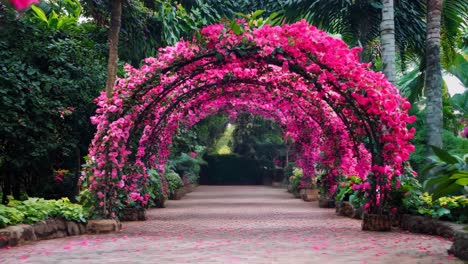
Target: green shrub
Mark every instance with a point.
(173, 180)
(295, 178)
(33, 210)
(10, 216)
(454, 208)
(70, 211)
(345, 189)
(446, 174)
(189, 164)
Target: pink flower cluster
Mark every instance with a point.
(23, 4)
(340, 116)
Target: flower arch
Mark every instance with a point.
(339, 113)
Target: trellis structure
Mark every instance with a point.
(339, 113)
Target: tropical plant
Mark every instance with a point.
(60, 15)
(447, 174)
(454, 208)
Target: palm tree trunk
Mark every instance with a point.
(113, 40)
(387, 35)
(433, 81)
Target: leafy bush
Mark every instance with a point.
(33, 210)
(345, 188)
(69, 211)
(414, 200)
(454, 208)
(189, 164)
(155, 189)
(50, 74)
(173, 180)
(10, 216)
(295, 179)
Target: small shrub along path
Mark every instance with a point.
(238, 224)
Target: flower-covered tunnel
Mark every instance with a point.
(339, 114)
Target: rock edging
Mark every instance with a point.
(427, 225)
(182, 191)
(53, 228)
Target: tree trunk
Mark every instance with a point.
(113, 40)
(433, 81)
(387, 35)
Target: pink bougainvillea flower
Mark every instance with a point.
(273, 81)
(23, 4)
(465, 132)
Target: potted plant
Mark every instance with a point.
(295, 181)
(326, 189)
(134, 209)
(377, 212)
(175, 185)
(308, 188)
(345, 190)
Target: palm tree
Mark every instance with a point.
(358, 21)
(113, 40)
(387, 36)
(433, 80)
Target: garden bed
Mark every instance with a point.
(53, 228)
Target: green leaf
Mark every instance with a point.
(236, 28)
(39, 13)
(459, 174)
(436, 180)
(441, 212)
(256, 14)
(444, 155)
(462, 182)
(446, 189)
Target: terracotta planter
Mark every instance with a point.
(376, 222)
(309, 195)
(160, 202)
(345, 209)
(326, 203)
(296, 194)
(359, 213)
(133, 214)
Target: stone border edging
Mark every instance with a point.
(427, 225)
(54, 228)
(182, 191)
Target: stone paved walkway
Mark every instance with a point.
(234, 224)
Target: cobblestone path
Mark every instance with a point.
(238, 224)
